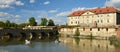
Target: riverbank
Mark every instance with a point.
(98, 33)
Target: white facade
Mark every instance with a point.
(91, 19)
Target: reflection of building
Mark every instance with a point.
(86, 45)
(100, 17)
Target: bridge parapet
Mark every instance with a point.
(39, 27)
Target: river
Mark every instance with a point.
(65, 45)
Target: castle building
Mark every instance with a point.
(98, 17)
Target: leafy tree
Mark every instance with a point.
(51, 22)
(14, 25)
(32, 21)
(43, 21)
(77, 33)
(23, 24)
(7, 24)
(2, 24)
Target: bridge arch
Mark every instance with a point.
(7, 36)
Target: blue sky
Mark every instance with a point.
(19, 11)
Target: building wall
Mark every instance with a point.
(102, 32)
(91, 19)
(118, 19)
(85, 45)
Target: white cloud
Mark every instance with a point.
(113, 3)
(53, 11)
(47, 2)
(63, 14)
(17, 16)
(66, 13)
(79, 8)
(32, 1)
(82, 8)
(4, 6)
(9, 3)
(6, 16)
(19, 3)
(18, 21)
(57, 20)
(2, 19)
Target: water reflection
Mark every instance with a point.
(86, 45)
(38, 45)
(53, 44)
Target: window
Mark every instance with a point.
(115, 29)
(76, 22)
(106, 29)
(98, 15)
(98, 29)
(108, 15)
(101, 21)
(98, 21)
(90, 29)
(71, 22)
(87, 13)
(83, 29)
(107, 21)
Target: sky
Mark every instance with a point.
(19, 11)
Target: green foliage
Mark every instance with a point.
(67, 35)
(51, 22)
(77, 40)
(23, 24)
(2, 24)
(43, 21)
(7, 24)
(14, 25)
(32, 21)
(77, 33)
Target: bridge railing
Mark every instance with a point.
(39, 27)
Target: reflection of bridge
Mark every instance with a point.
(17, 42)
(28, 33)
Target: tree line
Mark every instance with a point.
(31, 22)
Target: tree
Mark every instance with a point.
(43, 21)
(32, 21)
(23, 24)
(77, 33)
(2, 24)
(14, 25)
(51, 22)
(7, 24)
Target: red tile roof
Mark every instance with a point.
(96, 11)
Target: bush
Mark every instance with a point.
(77, 33)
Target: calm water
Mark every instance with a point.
(66, 45)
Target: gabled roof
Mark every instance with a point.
(96, 11)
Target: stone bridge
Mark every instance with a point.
(27, 33)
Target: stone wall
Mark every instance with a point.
(103, 32)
